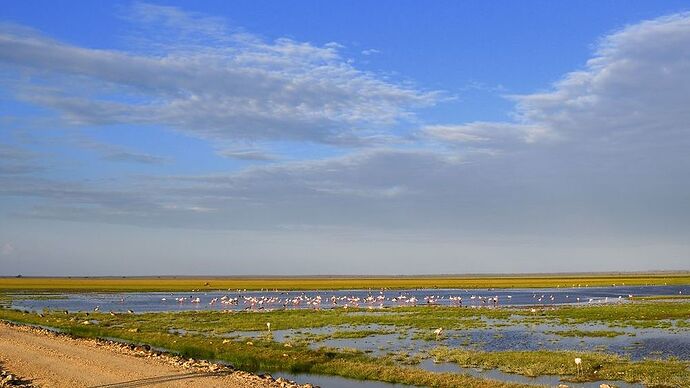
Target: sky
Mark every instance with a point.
(343, 137)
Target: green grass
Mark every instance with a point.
(595, 366)
(36, 297)
(5, 300)
(262, 354)
(302, 338)
(266, 354)
(638, 314)
(217, 322)
(662, 297)
(586, 333)
(358, 334)
(113, 284)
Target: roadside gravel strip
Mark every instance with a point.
(47, 359)
(7, 379)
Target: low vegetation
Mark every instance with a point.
(586, 333)
(5, 300)
(662, 297)
(261, 354)
(114, 284)
(218, 335)
(638, 315)
(595, 366)
(224, 335)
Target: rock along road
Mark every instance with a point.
(52, 360)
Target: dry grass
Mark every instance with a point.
(331, 283)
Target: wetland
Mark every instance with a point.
(626, 336)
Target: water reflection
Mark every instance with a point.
(265, 300)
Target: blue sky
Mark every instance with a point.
(343, 137)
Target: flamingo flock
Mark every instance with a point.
(288, 300)
(302, 300)
(305, 301)
(273, 299)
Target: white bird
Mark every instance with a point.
(438, 332)
(578, 364)
(268, 325)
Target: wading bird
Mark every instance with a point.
(438, 332)
(578, 364)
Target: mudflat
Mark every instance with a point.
(60, 361)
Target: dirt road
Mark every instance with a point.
(50, 360)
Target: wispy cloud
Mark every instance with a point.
(113, 152)
(248, 154)
(370, 52)
(485, 133)
(14, 153)
(200, 78)
(632, 93)
(15, 160)
(602, 152)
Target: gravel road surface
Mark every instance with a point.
(50, 360)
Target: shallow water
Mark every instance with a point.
(637, 344)
(495, 374)
(263, 300)
(514, 333)
(388, 343)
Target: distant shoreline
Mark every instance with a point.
(370, 276)
(334, 282)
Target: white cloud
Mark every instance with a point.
(15, 160)
(599, 165)
(194, 75)
(485, 133)
(631, 95)
(370, 52)
(603, 153)
(634, 89)
(113, 152)
(248, 154)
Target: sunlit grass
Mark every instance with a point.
(112, 284)
(661, 297)
(595, 366)
(638, 314)
(586, 333)
(206, 328)
(258, 354)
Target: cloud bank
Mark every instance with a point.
(632, 91)
(191, 73)
(602, 152)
